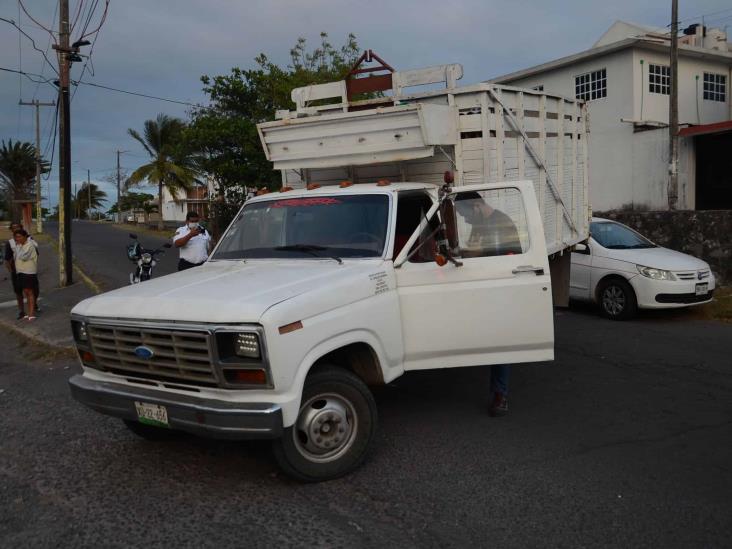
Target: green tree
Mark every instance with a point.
(89, 197)
(225, 132)
(171, 165)
(18, 173)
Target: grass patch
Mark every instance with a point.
(720, 308)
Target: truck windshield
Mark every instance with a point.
(307, 227)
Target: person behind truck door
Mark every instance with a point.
(26, 265)
(492, 233)
(9, 257)
(193, 242)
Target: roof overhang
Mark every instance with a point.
(640, 43)
(705, 129)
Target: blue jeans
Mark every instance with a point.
(499, 379)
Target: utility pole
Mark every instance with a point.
(64, 133)
(39, 207)
(88, 189)
(119, 198)
(673, 125)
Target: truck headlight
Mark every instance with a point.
(655, 274)
(247, 345)
(78, 328)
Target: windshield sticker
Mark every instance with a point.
(295, 202)
(380, 282)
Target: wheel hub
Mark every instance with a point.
(325, 427)
(613, 300)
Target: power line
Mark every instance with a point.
(697, 17)
(21, 31)
(49, 31)
(92, 9)
(31, 76)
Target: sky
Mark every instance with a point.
(163, 47)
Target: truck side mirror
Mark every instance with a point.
(581, 249)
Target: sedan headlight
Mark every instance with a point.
(146, 258)
(655, 274)
(247, 345)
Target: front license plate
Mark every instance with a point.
(152, 414)
(702, 289)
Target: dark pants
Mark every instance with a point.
(20, 281)
(499, 379)
(183, 264)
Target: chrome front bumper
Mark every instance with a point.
(205, 417)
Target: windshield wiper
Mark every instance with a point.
(311, 249)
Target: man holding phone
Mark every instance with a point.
(193, 241)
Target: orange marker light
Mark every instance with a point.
(263, 190)
(287, 328)
(86, 356)
(285, 189)
(246, 377)
(345, 184)
(313, 186)
(440, 260)
(383, 183)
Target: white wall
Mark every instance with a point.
(610, 141)
(632, 168)
(693, 108)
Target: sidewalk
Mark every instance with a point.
(52, 327)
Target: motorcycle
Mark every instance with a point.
(145, 258)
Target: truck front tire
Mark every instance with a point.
(333, 431)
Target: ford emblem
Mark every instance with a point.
(144, 352)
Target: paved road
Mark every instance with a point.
(92, 243)
(624, 441)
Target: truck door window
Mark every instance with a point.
(491, 223)
(411, 209)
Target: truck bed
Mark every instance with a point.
(482, 133)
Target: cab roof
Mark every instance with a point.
(356, 188)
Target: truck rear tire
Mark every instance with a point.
(333, 431)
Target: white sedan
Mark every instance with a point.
(621, 270)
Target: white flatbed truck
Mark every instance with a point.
(364, 266)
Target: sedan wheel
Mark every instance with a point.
(617, 300)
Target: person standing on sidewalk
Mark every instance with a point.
(193, 242)
(9, 257)
(26, 265)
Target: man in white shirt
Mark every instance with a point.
(193, 242)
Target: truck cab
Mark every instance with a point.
(310, 297)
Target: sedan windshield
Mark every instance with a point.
(318, 226)
(618, 237)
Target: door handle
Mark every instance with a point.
(528, 269)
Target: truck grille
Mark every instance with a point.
(182, 356)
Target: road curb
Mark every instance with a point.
(12, 327)
(93, 286)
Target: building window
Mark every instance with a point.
(659, 79)
(591, 85)
(715, 87)
(539, 88)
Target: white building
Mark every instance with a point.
(196, 199)
(625, 79)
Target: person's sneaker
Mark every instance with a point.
(30, 318)
(499, 406)
(21, 315)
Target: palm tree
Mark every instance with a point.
(89, 193)
(169, 165)
(18, 171)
